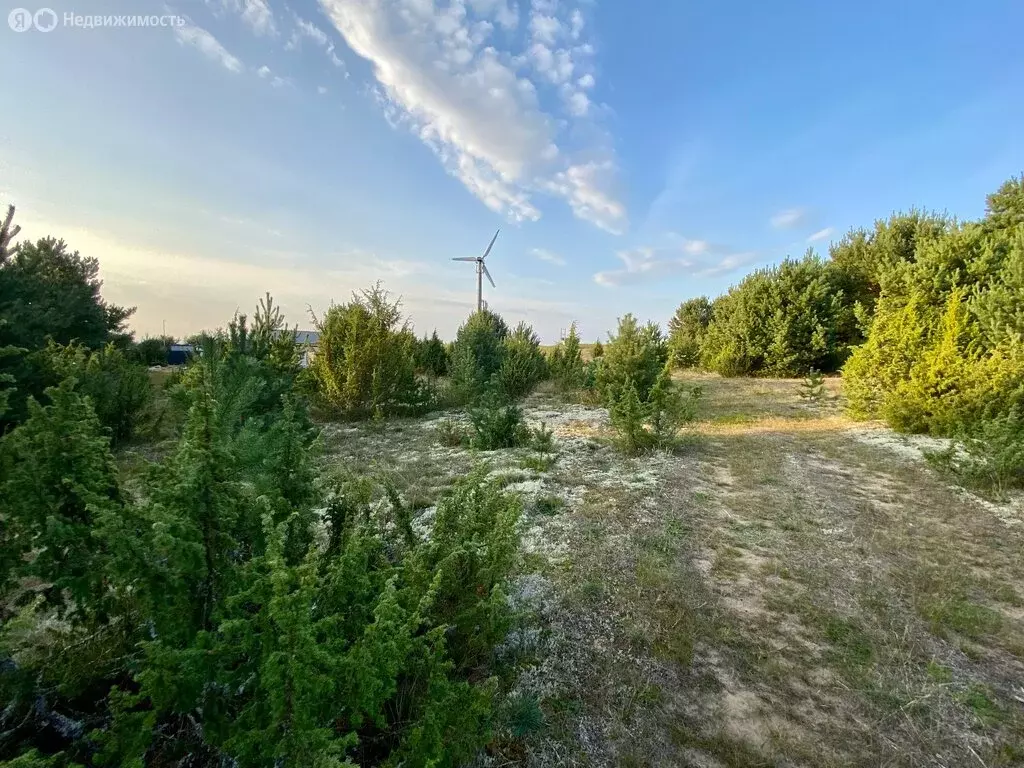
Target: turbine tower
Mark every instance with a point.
(481, 270)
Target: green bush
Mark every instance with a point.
(812, 388)
(451, 434)
(780, 321)
(49, 294)
(628, 416)
(365, 363)
(991, 456)
(634, 355)
(431, 356)
(497, 423)
(153, 350)
(477, 355)
(522, 363)
(669, 407)
(227, 592)
(944, 350)
(118, 387)
(686, 332)
(566, 362)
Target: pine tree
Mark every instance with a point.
(597, 351)
(627, 415)
(567, 367)
(274, 657)
(196, 515)
(62, 503)
(812, 388)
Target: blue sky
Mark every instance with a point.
(634, 154)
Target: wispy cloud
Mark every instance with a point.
(821, 234)
(507, 121)
(790, 218)
(275, 80)
(208, 45)
(695, 258)
(548, 256)
(255, 13)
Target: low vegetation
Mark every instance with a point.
(417, 553)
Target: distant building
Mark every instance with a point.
(179, 354)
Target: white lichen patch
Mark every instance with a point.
(912, 447)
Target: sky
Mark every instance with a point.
(633, 153)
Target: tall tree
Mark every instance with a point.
(49, 293)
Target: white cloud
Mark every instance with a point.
(578, 104)
(503, 14)
(321, 90)
(821, 234)
(209, 46)
(545, 29)
(306, 29)
(587, 82)
(548, 256)
(255, 13)
(695, 258)
(442, 73)
(792, 217)
(584, 187)
(576, 20)
(280, 82)
(334, 58)
(263, 71)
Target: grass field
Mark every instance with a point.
(787, 588)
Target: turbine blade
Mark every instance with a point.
(464, 258)
(491, 245)
(488, 274)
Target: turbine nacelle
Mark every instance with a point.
(481, 270)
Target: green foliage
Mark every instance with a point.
(211, 617)
(62, 507)
(365, 364)
(686, 332)
(118, 387)
(634, 356)
(523, 364)
(542, 439)
(812, 388)
(862, 260)
(597, 350)
(780, 321)
(627, 416)
(566, 362)
(477, 355)
(523, 715)
(669, 408)
(431, 356)
(497, 423)
(49, 294)
(990, 456)
(451, 434)
(153, 350)
(944, 352)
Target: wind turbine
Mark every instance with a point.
(481, 270)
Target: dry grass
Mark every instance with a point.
(780, 592)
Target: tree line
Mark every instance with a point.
(923, 315)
